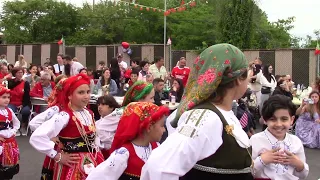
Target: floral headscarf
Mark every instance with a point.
(70, 85)
(136, 118)
(209, 70)
(137, 91)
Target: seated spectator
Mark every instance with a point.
(4, 73)
(92, 85)
(282, 89)
(33, 76)
(158, 85)
(44, 87)
(177, 89)
(20, 98)
(144, 70)
(133, 78)
(108, 85)
(101, 66)
(149, 78)
(308, 124)
(134, 67)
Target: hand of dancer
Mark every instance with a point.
(67, 159)
(293, 160)
(2, 139)
(272, 156)
(55, 140)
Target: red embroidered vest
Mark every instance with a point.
(71, 130)
(70, 138)
(134, 162)
(3, 120)
(17, 94)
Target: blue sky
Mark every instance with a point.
(305, 11)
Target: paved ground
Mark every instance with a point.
(31, 162)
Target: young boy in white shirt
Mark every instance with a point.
(277, 154)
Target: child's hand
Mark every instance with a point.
(293, 160)
(55, 140)
(2, 139)
(272, 156)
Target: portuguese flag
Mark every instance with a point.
(61, 41)
(317, 49)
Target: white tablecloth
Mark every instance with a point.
(171, 105)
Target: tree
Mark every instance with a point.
(241, 23)
(37, 21)
(235, 22)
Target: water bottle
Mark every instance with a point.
(5, 83)
(99, 92)
(126, 87)
(173, 100)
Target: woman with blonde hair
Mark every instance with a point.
(21, 62)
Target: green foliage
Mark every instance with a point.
(241, 23)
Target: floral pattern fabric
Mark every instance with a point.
(218, 64)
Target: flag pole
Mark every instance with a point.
(164, 31)
(63, 46)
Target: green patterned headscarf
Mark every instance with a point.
(136, 92)
(209, 70)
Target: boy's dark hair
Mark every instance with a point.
(67, 58)
(134, 72)
(275, 103)
(102, 63)
(143, 63)
(108, 100)
(157, 80)
(136, 60)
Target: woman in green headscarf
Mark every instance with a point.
(209, 142)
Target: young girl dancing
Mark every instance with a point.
(139, 130)
(75, 127)
(9, 125)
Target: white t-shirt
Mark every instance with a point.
(75, 68)
(123, 64)
(57, 70)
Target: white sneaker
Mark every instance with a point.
(23, 132)
(18, 133)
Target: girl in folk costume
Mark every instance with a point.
(75, 127)
(139, 130)
(209, 142)
(107, 125)
(54, 107)
(9, 125)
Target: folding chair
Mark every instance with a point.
(35, 102)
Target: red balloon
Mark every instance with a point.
(125, 45)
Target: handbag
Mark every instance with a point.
(265, 90)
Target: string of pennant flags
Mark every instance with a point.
(183, 6)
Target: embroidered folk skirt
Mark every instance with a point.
(9, 158)
(48, 166)
(77, 172)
